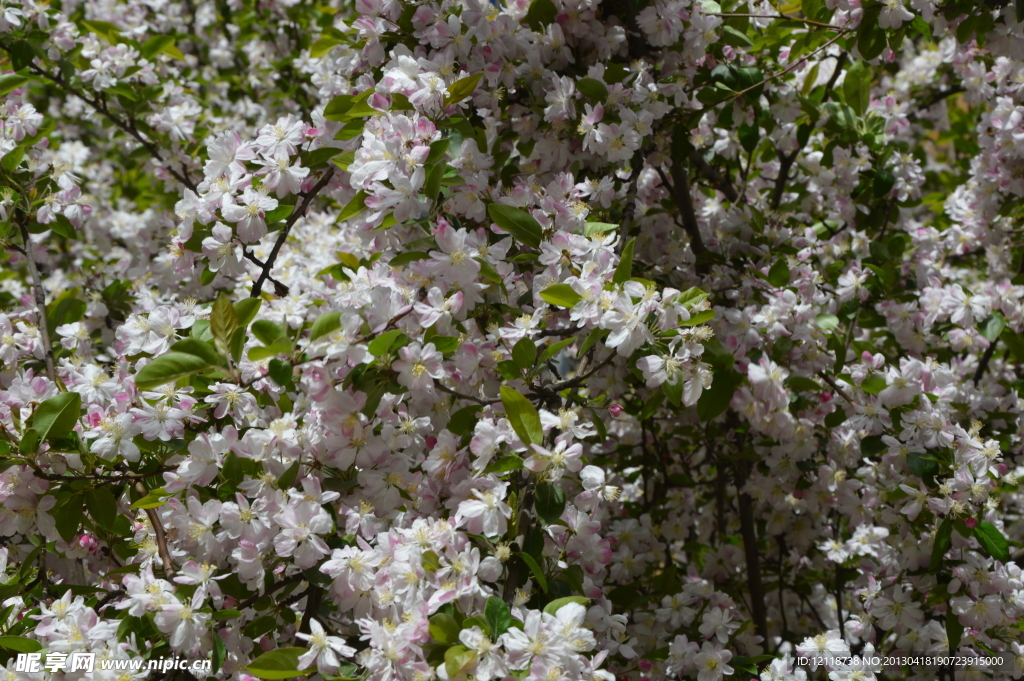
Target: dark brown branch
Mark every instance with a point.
(100, 107)
(314, 595)
(782, 17)
(985, 359)
(748, 531)
(679, 188)
(307, 198)
(161, 537)
(247, 603)
(40, 296)
(718, 181)
(835, 386)
(630, 208)
(785, 164)
(279, 289)
(840, 62)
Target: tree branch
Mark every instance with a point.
(102, 108)
(719, 182)
(161, 537)
(748, 530)
(630, 209)
(307, 197)
(679, 188)
(40, 296)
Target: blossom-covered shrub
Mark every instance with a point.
(544, 340)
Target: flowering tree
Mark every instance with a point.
(544, 340)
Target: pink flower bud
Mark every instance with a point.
(1002, 468)
(645, 666)
(616, 410)
(431, 441)
(971, 523)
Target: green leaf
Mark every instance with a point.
(322, 46)
(778, 275)
(56, 417)
(954, 630)
(561, 295)
(432, 185)
(220, 652)
(438, 149)
(554, 606)
(355, 206)
(624, 270)
(702, 317)
(104, 29)
(827, 322)
(505, 464)
(993, 328)
(992, 541)
(68, 517)
(874, 384)
(389, 341)
(923, 467)
(11, 81)
(267, 331)
(943, 540)
(281, 372)
(154, 499)
(430, 561)
(593, 89)
(167, 368)
(327, 323)
(593, 228)
(552, 350)
(540, 14)
(524, 353)
(223, 322)
(277, 664)
(444, 628)
(883, 183)
(288, 478)
(201, 349)
(224, 615)
(522, 415)
(498, 617)
(549, 502)
(517, 222)
(102, 506)
(462, 88)
(538, 574)
(20, 644)
(870, 37)
(857, 87)
(458, 658)
(158, 44)
(715, 400)
(246, 310)
(464, 421)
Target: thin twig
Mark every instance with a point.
(985, 359)
(40, 296)
(630, 209)
(786, 70)
(280, 289)
(784, 17)
(297, 577)
(307, 198)
(161, 537)
(835, 386)
(720, 182)
(679, 188)
(463, 396)
(102, 108)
